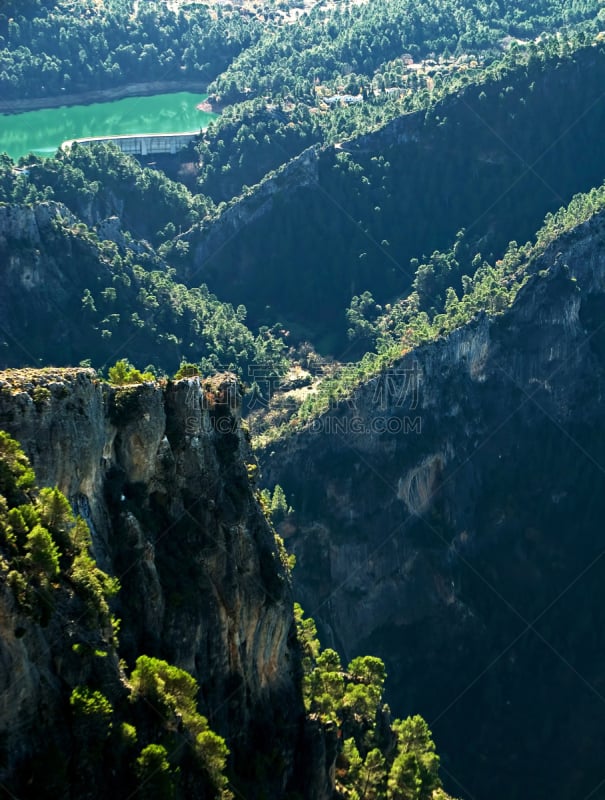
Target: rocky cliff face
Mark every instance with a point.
(206, 241)
(449, 519)
(160, 474)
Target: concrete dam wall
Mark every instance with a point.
(139, 144)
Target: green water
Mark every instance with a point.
(42, 132)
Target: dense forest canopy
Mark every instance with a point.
(375, 206)
(47, 49)
(349, 43)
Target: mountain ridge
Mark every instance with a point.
(435, 536)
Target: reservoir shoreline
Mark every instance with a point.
(43, 131)
(11, 107)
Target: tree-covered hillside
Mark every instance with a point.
(489, 151)
(492, 157)
(349, 44)
(75, 293)
(49, 48)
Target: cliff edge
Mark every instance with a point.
(160, 474)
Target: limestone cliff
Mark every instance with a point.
(207, 239)
(160, 475)
(449, 519)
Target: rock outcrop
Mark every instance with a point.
(160, 475)
(207, 240)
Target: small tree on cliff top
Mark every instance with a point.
(123, 373)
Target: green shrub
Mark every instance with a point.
(213, 752)
(187, 370)
(86, 702)
(19, 588)
(92, 712)
(123, 373)
(166, 686)
(56, 515)
(128, 734)
(16, 474)
(41, 395)
(93, 584)
(172, 691)
(156, 779)
(42, 552)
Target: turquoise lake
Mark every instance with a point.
(43, 131)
